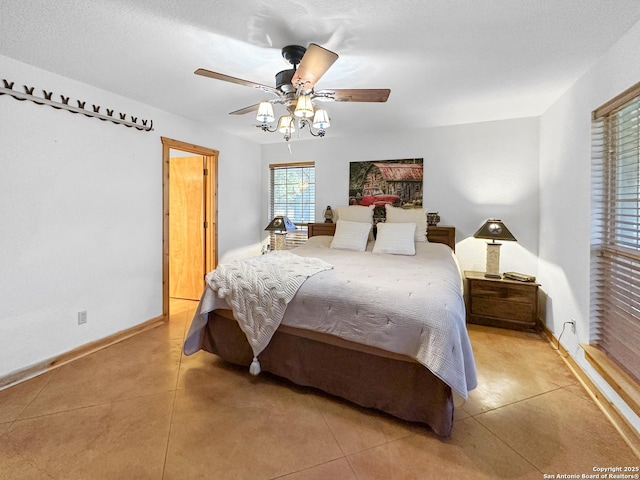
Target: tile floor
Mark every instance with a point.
(141, 410)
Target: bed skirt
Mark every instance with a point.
(398, 386)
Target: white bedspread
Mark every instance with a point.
(410, 305)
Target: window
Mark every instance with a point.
(615, 232)
(292, 193)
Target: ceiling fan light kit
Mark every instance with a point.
(287, 123)
(295, 90)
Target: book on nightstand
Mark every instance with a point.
(521, 277)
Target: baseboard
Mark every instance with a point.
(79, 352)
(621, 382)
(629, 434)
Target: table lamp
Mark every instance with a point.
(493, 229)
(280, 225)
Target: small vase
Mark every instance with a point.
(433, 218)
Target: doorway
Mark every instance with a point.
(190, 240)
(186, 224)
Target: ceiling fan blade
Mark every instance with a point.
(253, 108)
(315, 62)
(227, 78)
(244, 110)
(353, 95)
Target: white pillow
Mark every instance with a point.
(355, 213)
(409, 215)
(351, 235)
(395, 238)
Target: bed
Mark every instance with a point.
(368, 345)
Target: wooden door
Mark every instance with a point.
(186, 227)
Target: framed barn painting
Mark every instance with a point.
(395, 182)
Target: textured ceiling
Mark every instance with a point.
(445, 61)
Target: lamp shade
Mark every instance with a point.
(281, 224)
(265, 113)
(286, 125)
(321, 119)
(494, 229)
(304, 107)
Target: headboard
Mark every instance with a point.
(435, 234)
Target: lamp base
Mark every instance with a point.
(493, 260)
(280, 240)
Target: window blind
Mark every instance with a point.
(615, 232)
(292, 193)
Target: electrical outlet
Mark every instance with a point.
(82, 317)
(573, 325)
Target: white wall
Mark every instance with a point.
(81, 215)
(565, 162)
(471, 173)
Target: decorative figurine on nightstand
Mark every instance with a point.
(328, 214)
(433, 218)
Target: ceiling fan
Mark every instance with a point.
(295, 89)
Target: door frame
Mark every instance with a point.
(210, 209)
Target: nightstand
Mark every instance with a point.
(446, 235)
(500, 302)
(327, 228)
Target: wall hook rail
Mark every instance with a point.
(120, 119)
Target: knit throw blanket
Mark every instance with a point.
(258, 290)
